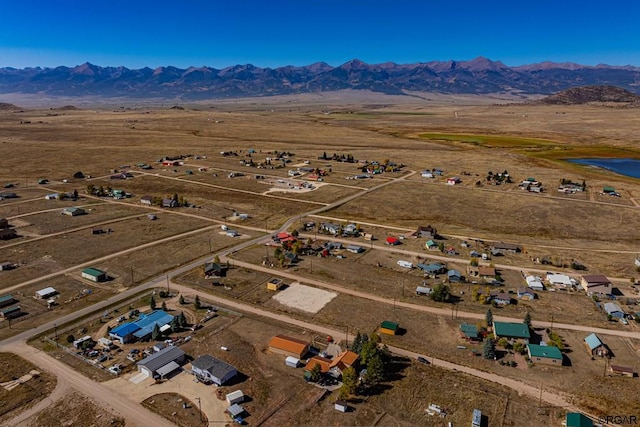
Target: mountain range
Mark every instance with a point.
(478, 76)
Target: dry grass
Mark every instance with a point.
(26, 394)
(169, 405)
(75, 409)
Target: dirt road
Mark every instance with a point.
(134, 414)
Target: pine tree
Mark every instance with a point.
(489, 349)
(356, 345)
(315, 373)
(349, 382)
(196, 303)
(375, 370)
(182, 320)
(152, 303)
(164, 306)
(155, 334)
(175, 326)
(489, 318)
(527, 319)
(181, 300)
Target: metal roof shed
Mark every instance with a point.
(167, 369)
(153, 363)
(46, 293)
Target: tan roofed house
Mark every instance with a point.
(288, 346)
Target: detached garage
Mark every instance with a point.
(163, 362)
(94, 275)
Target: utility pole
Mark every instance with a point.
(199, 408)
(210, 249)
(132, 282)
(346, 337)
(55, 331)
(167, 283)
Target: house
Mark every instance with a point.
(431, 245)
(169, 203)
(534, 282)
(392, 241)
(614, 310)
(559, 280)
(595, 284)
(595, 346)
(208, 369)
(525, 294)
(344, 360)
(350, 230)
(94, 275)
(330, 228)
(453, 180)
(45, 293)
(426, 174)
(73, 211)
(482, 272)
(288, 346)
(10, 312)
(546, 354)
(6, 300)
(146, 200)
(501, 298)
(428, 232)
(470, 332)
(509, 247)
(576, 419)
(511, 331)
(388, 327)
(323, 362)
(284, 237)
(214, 270)
(433, 268)
(355, 249)
(163, 362)
(622, 370)
(275, 284)
(52, 196)
(8, 233)
(454, 276)
(423, 290)
(235, 397)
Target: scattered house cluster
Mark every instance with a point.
(348, 230)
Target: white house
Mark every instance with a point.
(534, 282)
(560, 280)
(426, 174)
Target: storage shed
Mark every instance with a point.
(235, 397)
(388, 327)
(46, 293)
(94, 275)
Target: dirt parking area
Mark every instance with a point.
(305, 298)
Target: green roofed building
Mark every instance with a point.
(469, 332)
(511, 331)
(388, 327)
(94, 275)
(608, 189)
(546, 354)
(6, 300)
(576, 419)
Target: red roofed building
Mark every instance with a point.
(392, 241)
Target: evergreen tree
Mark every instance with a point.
(175, 326)
(181, 300)
(182, 320)
(489, 317)
(152, 303)
(164, 306)
(70, 339)
(489, 349)
(156, 334)
(356, 345)
(375, 370)
(349, 382)
(527, 319)
(315, 373)
(196, 304)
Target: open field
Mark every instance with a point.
(75, 409)
(19, 396)
(170, 406)
(461, 139)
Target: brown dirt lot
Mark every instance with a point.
(75, 409)
(26, 394)
(170, 406)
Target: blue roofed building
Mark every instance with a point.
(142, 328)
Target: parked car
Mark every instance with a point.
(422, 360)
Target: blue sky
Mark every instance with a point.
(137, 33)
